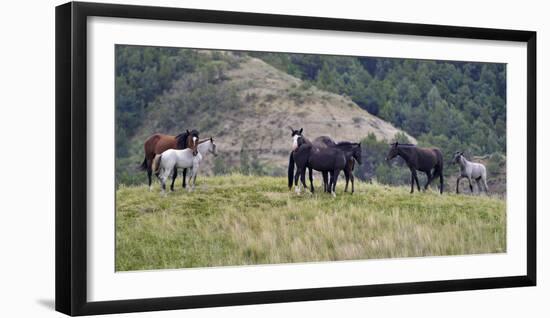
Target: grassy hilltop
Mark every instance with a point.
(242, 220)
(248, 100)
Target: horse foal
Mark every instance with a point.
(171, 159)
(471, 170)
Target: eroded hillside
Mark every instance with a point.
(249, 106)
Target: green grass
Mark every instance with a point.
(241, 220)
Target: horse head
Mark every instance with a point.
(193, 141)
(457, 156)
(296, 132)
(394, 151)
(297, 138)
(212, 148)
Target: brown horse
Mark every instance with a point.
(158, 143)
(421, 159)
(319, 142)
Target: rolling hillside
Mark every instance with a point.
(248, 106)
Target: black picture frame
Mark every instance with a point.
(71, 157)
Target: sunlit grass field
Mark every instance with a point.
(244, 220)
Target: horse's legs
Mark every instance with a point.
(330, 182)
(190, 188)
(303, 178)
(351, 166)
(334, 180)
(311, 180)
(163, 181)
(149, 174)
(346, 175)
(471, 187)
(352, 183)
(184, 175)
(297, 175)
(458, 183)
(296, 178)
(429, 175)
(414, 178)
(479, 187)
(485, 184)
(325, 181)
(194, 175)
(174, 176)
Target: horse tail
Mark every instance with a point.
(156, 164)
(290, 170)
(143, 165)
(440, 171)
(485, 179)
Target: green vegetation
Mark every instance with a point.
(245, 213)
(396, 172)
(446, 104)
(462, 104)
(374, 165)
(240, 220)
(496, 163)
(143, 74)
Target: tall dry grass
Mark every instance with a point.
(242, 220)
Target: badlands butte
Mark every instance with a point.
(250, 107)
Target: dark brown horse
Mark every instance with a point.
(327, 160)
(325, 141)
(319, 142)
(158, 143)
(353, 153)
(422, 159)
(291, 175)
(348, 173)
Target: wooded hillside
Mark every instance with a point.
(247, 101)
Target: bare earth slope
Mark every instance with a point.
(270, 102)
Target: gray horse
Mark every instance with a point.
(470, 170)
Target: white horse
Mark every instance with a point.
(471, 170)
(165, 163)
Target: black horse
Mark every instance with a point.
(330, 159)
(422, 159)
(319, 142)
(295, 135)
(348, 173)
(353, 153)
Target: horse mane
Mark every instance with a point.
(181, 140)
(303, 139)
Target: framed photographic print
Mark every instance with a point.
(208, 158)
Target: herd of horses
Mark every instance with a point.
(165, 154)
